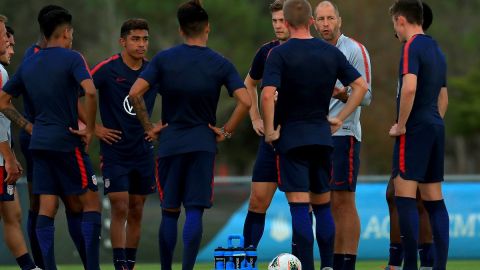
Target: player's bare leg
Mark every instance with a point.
(261, 195)
(134, 226)
(11, 213)
(119, 213)
(12, 220)
(347, 222)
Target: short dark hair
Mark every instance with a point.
(192, 18)
(297, 12)
(277, 5)
(54, 19)
(10, 31)
(412, 10)
(133, 24)
(46, 9)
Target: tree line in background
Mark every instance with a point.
(240, 27)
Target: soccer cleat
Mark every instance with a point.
(425, 268)
(327, 268)
(390, 267)
(37, 268)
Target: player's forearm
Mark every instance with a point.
(406, 104)
(90, 104)
(252, 91)
(241, 110)
(82, 115)
(6, 152)
(17, 118)
(359, 89)
(443, 102)
(268, 108)
(90, 111)
(140, 108)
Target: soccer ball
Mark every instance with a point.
(285, 261)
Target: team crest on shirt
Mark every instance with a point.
(10, 189)
(107, 183)
(127, 107)
(94, 180)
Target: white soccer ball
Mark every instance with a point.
(285, 261)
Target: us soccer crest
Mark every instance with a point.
(94, 180)
(10, 189)
(107, 183)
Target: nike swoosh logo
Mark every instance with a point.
(120, 79)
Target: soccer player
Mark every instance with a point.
(190, 77)
(10, 169)
(420, 133)
(304, 70)
(73, 207)
(50, 80)
(346, 141)
(425, 239)
(128, 164)
(264, 178)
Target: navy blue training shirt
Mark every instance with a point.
(190, 79)
(50, 79)
(113, 79)
(304, 71)
(422, 56)
(258, 64)
(27, 105)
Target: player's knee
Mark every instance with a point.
(390, 197)
(258, 204)
(135, 212)
(13, 218)
(119, 209)
(91, 202)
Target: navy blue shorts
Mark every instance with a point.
(7, 192)
(186, 179)
(305, 169)
(135, 176)
(265, 168)
(345, 163)
(419, 154)
(62, 173)
(24, 139)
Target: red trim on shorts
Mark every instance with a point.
(402, 154)
(157, 180)
(405, 55)
(104, 62)
(365, 60)
(350, 160)
(279, 179)
(2, 179)
(81, 167)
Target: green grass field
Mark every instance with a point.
(363, 265)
